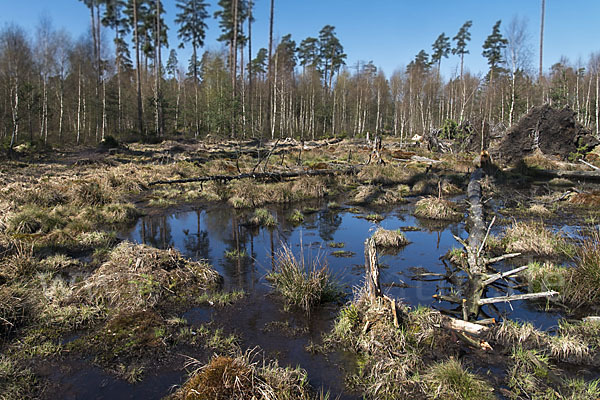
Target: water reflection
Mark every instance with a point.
(213, 232)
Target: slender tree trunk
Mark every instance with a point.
(103, 108)
(234, 67)
(542, 40)
(79, 105)
(250, 74)
(597, 107)
(157, 66)
(196, 117)
(138, 71)
(271, 88)
(15, 116)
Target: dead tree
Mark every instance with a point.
(478, 277)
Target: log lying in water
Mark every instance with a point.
(267, 176)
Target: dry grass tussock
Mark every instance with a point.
(243, 377)
(15, 307)
(584, 279)
(533, 238)
(450, 380)
(386, 174)
(390, 238)
(138, 276)
(531, 375)
(575, 343)
(437, 208)
(302, 283)
(247, 193)
(369, 194)
(394, 359)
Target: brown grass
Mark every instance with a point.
(390, 238)
(241, 377)
(532, 238)
(138, 276)
(437, 208)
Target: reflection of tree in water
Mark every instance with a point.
(239, 269)
(156, 232)
(197, 244)
(328, 223)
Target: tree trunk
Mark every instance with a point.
(541, 71)
(138, 71)
(79, 105)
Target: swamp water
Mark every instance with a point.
(216, 231)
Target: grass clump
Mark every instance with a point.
(16, 382)
(236, 254)
(542, 277)
(301, 284)
(32, 219)
(584, 280)
(390, 238)
(374, 217)
(532, 238)
(138, 276)
(221, 299)
(450, 380)
(242, 377)
(436, 208)
(262, 217)
(342, 254)
(296, 218)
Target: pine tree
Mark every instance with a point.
(421, 63)
(115, 19)
(192, 29)
(308, 52)
(492, 50)
(331, 53)
(441, 49)
(462, 37)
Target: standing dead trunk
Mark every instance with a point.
(372, 270)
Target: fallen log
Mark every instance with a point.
(515, 297)
(463, 326)
(269, 176)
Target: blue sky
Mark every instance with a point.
(388, 32)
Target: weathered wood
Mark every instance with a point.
(501, 258)
(269, 176)
(463, 326)
(372, 270)
(515, 297)
(495, 277)
(592, 166)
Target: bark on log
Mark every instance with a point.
(464, 326)
(526, 296)
(269, 176)
(477, 230)
(372, 270)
